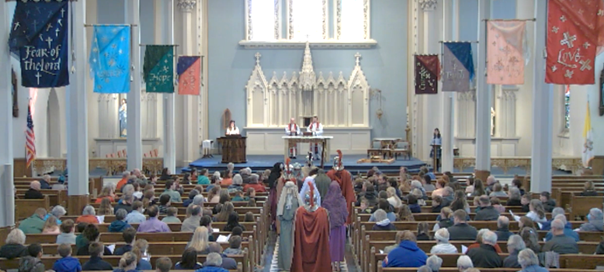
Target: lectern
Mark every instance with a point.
(233, 149)
(435, 157)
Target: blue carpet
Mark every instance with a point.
(262, 162)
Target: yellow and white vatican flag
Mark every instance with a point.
(588, 149)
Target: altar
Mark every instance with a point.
(294, 140)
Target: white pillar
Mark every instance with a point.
(543, 109)
(77, 106)
(483, 97)
(450, 18)
(7, 195)
(169, 127)
(134, 141)
(190, 103)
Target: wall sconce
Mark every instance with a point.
(377, 92)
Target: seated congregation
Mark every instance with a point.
(220, 222)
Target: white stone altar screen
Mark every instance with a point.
(271, 103)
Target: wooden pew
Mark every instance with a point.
(24, 208)
(49, 261)
(454, 269)
(580, 205)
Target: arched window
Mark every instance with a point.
(567, 108)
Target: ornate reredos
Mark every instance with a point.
(305, 93)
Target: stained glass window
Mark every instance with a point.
(567, 107)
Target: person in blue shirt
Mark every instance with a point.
(436, 140)
(128, 235)
(407, 254)
(529, 262)
(119, 224)
(568, 231)
(213, 263)
(66, 263)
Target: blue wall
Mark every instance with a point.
(385, 66)
(468, 18)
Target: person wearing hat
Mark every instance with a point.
(344, 178)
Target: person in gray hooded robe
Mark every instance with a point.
(289, 201)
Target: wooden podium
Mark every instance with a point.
(233, 149)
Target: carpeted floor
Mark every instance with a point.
(261, 162)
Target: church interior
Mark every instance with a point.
(192, 110)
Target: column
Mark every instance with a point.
(543, 109)
(429, 117)
(169, 127)
(450, 19)
(483, 98)
(7, 195)
(134, 142)
(77, 114)
(190, 114)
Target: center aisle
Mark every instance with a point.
(271, 256)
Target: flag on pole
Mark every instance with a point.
(158, 68)
(572, 38)
(588, 148)
(458, 67)
(505, 52)
(427, 72)
(189, 75)
(30, 140)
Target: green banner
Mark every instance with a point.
(158, 68)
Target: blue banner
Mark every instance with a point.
(39, 37)
(458, 67)
(110, 58)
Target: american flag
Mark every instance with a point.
(30, 139)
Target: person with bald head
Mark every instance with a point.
(35, 223)
(503, 228)
(34, 191)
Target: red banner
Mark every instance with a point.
(572, 38)
(427, 73)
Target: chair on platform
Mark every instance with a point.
(206, 146)
(401, 148)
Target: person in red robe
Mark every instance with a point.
(343, 177)
(311, 238)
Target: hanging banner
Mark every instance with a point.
(158, 68)
(458, 66)
(39, 37)
(189, 75)
(427, 71)
(572, 38)
(110, 59)
(505, 52)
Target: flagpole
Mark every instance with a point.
(511, 20)
(175, 45)
(92, 25)
(459, 41)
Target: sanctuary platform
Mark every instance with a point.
(262, 162)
